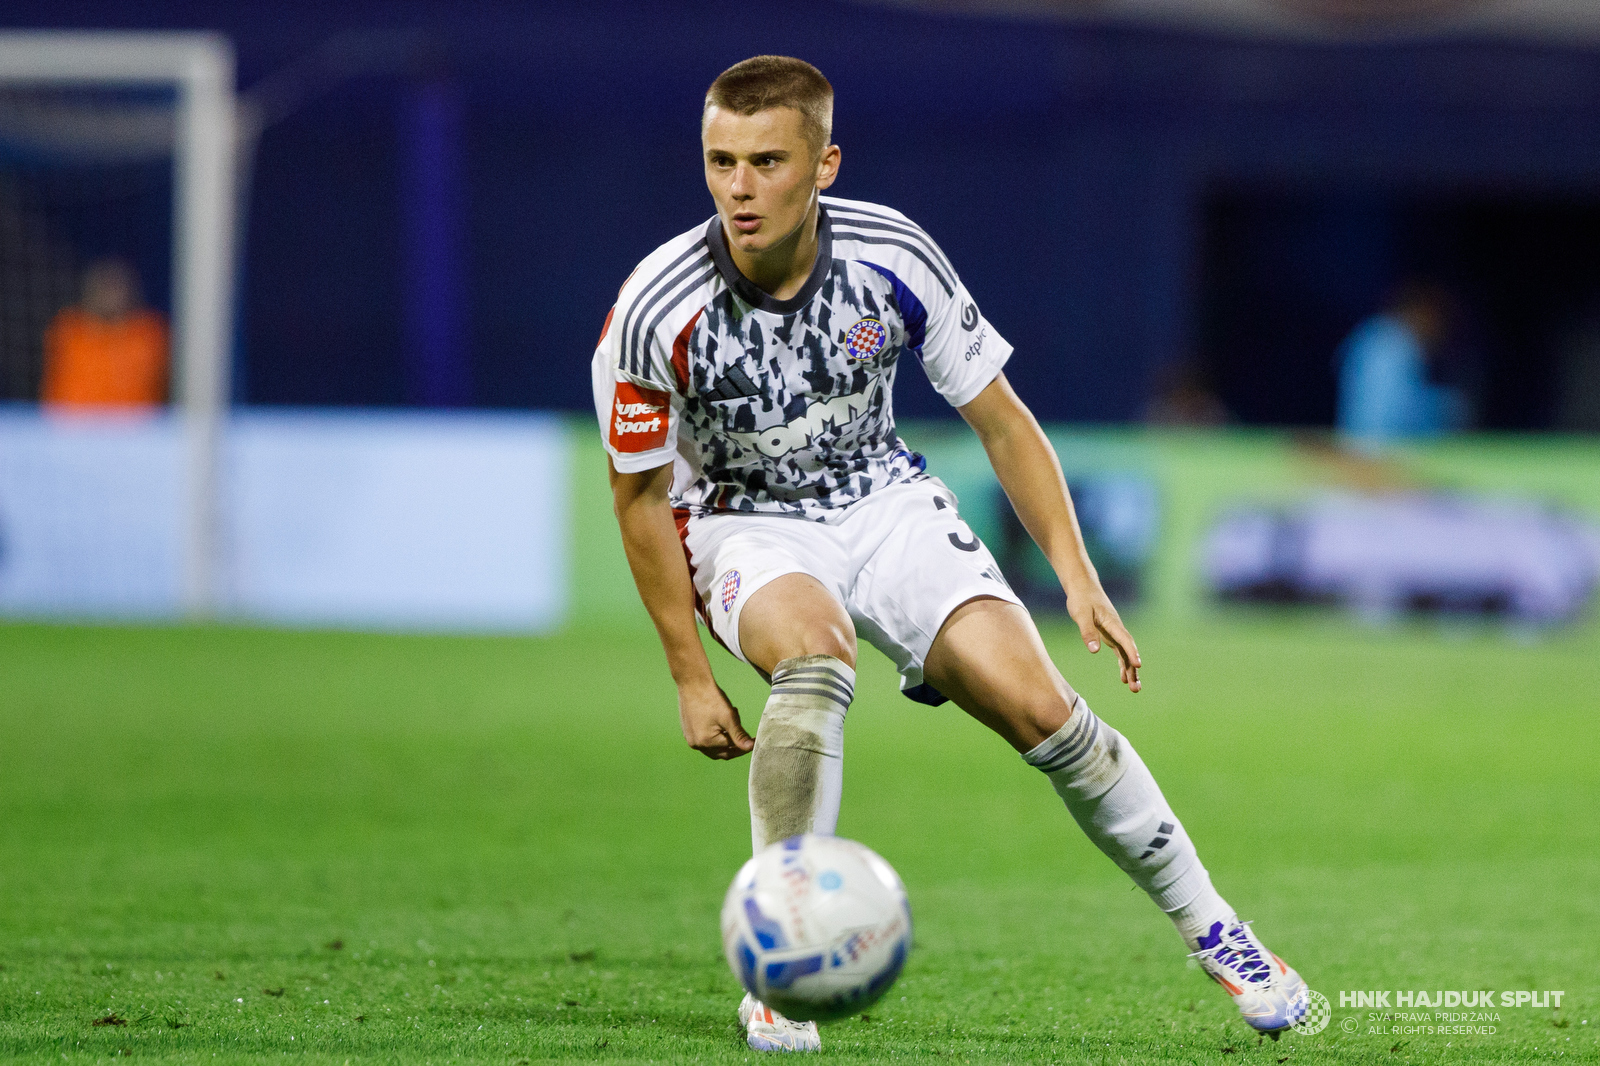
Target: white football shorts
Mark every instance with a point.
(900, 561)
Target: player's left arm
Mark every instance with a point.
(1030, 473)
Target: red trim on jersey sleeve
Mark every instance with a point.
(680, 353)
(607, 327)
(638, 418)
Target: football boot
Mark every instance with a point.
(1269, 994)
(767, 1030)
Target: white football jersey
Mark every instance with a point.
(785, 406)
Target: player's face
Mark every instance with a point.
(763, 174)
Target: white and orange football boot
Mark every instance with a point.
(1269, 994)
(767, 1030)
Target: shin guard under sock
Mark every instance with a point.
(1113, 797)
(797, 767)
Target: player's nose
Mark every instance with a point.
(742, 187)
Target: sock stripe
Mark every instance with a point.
(809, 674)
(1069, 749)
(812, 675)
(823, 678)
(1067, 760)
(827, 694)
(1073, 738)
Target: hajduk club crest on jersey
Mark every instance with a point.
(730, 590)
(866, 339)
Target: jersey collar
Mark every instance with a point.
(754, 295)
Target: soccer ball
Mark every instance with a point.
(816, 927)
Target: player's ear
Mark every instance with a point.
(828, 166)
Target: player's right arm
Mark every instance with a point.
(637, 396)
(655, 555)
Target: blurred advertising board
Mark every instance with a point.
(1152, 499)
(364, 519)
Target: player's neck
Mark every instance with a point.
(781, 271)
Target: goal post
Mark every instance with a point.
(199, 69)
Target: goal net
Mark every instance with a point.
(115, 148)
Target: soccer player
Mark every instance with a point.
(744, 384)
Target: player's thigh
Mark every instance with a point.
(795, 615)
(776, 581)
(914, 561)
(932, 598)
(989, 659)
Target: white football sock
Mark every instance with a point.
(1207, 915)
(1116, 801)
(797, 767)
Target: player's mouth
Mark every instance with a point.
(746, 222)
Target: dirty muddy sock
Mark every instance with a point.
(797, 768)
(1111, 794)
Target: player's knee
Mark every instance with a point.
(1043, 713)
(829, 637)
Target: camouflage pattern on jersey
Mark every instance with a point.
(783, 416)
(785, 406)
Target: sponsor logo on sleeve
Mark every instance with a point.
(977, 345)
(969, 316)
(638, 418)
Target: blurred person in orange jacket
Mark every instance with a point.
(109, 351)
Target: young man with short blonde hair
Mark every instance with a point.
(744, 382)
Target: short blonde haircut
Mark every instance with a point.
(764, 82)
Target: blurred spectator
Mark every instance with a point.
(1385, 391)
(109, 351)
(1184, 397)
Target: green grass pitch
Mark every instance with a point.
(235, 845)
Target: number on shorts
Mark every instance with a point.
(940, 504)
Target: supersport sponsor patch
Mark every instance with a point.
(730, 590)
(638, 418)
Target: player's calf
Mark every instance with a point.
(1114, 798)
(797, 767)
(1112, 795)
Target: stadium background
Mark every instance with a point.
(503, 835)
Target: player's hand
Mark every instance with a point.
(1099, 622)
(711, 723)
